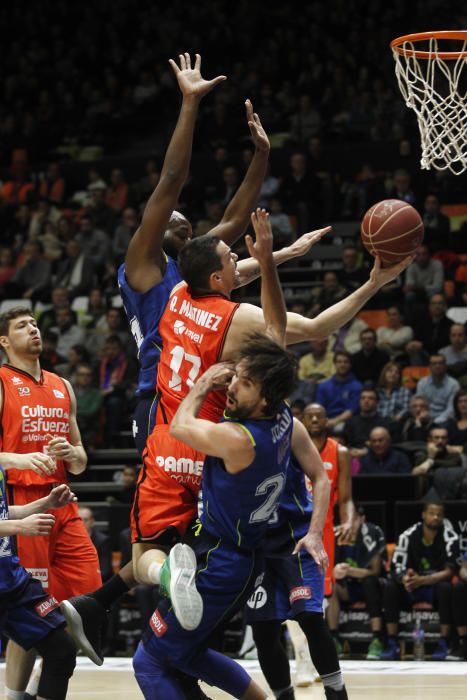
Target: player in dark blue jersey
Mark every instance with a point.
(291, 585)
(28, 615)
(244, 476)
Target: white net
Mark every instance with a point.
(435, 87)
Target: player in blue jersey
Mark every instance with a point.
(28, 615)
(291, 585)
(244, 476)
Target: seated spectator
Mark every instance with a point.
(328, 294)
(368, 363)
(92, 236)
(45, 214)
(457, 426)
(33, 276)
(432, 331)
(439, 390)
(298, 407)
(402, 187)
(300, 191)
(281, 225)
(445, 463)
(268, 189)
(393, 398)
(347, 338)
(88, 404)
(112, 383)
(113, 323)
(417, 426)
(52, 186)
(317, 365)
(76, 271)
(456, 353)
(422, 568)
(60, 300)
(359, 564)
(7, 270)
(394, 337)
(340, 394)
(127, 477)
(414, 355)
(77, 354)
(437, 225)
(353, 274)
(424, 277)
(68, 332)
(357, 429)
(97, 307)
(100, 541)
(49, 355)
(382, 458)
(117, 193)
(123, 233)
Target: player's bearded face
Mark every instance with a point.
(24, 336)
(243, 397)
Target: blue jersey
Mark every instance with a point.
(237, 507)
(295, 504)
(144, 312)
(12, 574)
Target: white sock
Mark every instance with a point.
(13, 694)
(33, 685)
(154, 571)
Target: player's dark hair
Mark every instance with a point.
(11, 315)
(272, 366)
(197, 260)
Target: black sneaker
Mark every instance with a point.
(287, 694)
(459, 653)
(85, 619)
(190, 687)
(332, 694)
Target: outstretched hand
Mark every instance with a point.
(258, 134)
(261, 248)
(383, 275)
(303, 244)
(190, 80)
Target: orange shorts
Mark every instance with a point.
(166, 498)
(329, 541)
(65, 562)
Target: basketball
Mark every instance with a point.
(392, 229)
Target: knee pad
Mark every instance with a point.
(58, 652)
(312, 623)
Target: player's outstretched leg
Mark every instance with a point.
(85, 619)
(177, 581)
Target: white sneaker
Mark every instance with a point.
(305, 673)
(187, 602)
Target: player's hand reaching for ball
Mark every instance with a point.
(38, 462)
(60, 496)
(190, 80)
(383, 275)
(36, 524)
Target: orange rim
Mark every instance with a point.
(425, 36)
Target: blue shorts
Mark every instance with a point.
(288, 585)
(224, 580)
(29, 614)
(143, 419)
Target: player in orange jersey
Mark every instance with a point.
(336, 460)
(39, 444)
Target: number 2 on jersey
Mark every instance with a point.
(274, 485)
(178, 357)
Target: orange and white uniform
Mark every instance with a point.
(66, 562)
(193, 331)
(330, 457)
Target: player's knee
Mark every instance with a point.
(266, 633)
(312, 623)
(59, 654)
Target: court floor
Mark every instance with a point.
(376, 680)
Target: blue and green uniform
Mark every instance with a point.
(144, 311)
(289, 584)
(234, 523)
(27, 612)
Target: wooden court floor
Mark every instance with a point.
(379, 681)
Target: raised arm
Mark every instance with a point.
(249, 267)
(308, 457)
(227, 441)
(237, 215)
(144, 259)
(272, 299)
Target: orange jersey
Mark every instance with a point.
(330, 457)
(33, 410)
(193, 331)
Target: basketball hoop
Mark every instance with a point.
(431, 69)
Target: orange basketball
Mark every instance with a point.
(392, 229)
